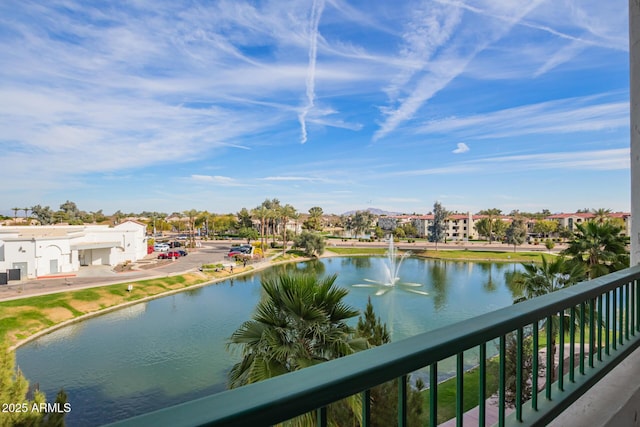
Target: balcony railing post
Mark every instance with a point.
(321, 417)
(482, 393)
(583, 322)
(632, 310)
(572, 344)
(433, 395)
(561, 333)
(402, 401)
(607, 324)
(600, 328)
(502, 380)
(636, 283)
(621, 316)
(592, 327)
(519, 359)
(614, 316)
(534, 370)
(366, 408)
(459, 389)
(549, 357)
(627, 311)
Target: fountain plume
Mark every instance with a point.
(391, 278)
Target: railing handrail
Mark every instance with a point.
(284, 397)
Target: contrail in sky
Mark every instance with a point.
(316, 12)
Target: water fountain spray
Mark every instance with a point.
(392, 276)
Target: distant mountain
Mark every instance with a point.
(374, 211)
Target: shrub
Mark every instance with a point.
(311, 243)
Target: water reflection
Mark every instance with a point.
(357, 262)
(195, 292)
(510, 279)
(313, 267)
(438, 276)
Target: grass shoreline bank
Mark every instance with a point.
(26, 319)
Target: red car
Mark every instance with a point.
(168, 255)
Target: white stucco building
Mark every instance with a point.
(39, 251)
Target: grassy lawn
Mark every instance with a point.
(467, 255)
(459, 255)
(356, 251)
(24, 317)
(447, 392)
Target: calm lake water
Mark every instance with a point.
(171, 350)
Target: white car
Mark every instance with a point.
(161, 247)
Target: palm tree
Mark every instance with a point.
(192, 215)
(601, 214)
(599, 246)
(262, 213)
(315, 218)
(550, 276)
(300, 321)
(203, 219)
(285, 213)
(493, 216)
(273, 206)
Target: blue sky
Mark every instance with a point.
(217, 105)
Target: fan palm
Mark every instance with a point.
(600, 246)
(301, 321)
(541, 279)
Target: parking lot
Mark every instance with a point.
(210, 252)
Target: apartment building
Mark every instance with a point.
(458, 227)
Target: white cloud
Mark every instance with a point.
(561, 116)
(288, 178)
(596, 160)
(215, 179)
(316, 12)
(453, 59)
(462, 148)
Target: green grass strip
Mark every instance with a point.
(447, 392)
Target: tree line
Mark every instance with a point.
(271, 219)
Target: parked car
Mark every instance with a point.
(240, 250)
(161, 247)
(183, 252)
(169, 255)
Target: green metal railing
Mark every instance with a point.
(600, 318)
